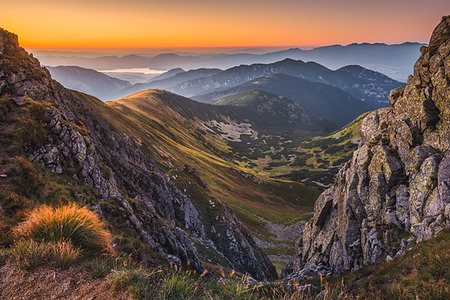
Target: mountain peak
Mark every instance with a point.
(440, 34)
(8, 40)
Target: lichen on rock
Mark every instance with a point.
(395, 190)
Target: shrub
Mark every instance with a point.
(66, 223)
(29, 254)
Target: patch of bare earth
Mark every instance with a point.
(48, 283)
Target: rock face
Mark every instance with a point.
(120, 172)
(396, 188)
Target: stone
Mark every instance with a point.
(397, 180)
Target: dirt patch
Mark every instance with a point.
(48, 283)
(232, 131)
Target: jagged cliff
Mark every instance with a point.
(124, 177)
(396, 188)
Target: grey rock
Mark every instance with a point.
(397, 181)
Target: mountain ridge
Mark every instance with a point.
(370, 86)
(125, 186)
(395, 60)
(319, 99)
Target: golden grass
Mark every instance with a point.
(71, 223)
(29, 254)
(63, 254)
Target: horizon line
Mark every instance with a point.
(283, 47)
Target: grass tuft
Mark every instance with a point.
(66, 223)
(63, 254)
(29, 254)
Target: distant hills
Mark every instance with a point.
(321, 100)
(369, 86)
(338, 96)
(88, 81)
(396, 60)
(168, 80)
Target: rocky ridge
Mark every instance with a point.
(396, 189)
(119, 170)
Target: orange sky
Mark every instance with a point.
(232, 23)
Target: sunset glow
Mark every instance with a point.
(152, 24)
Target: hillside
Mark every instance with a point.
(88, 81)
(316, 161)
(61, 146)
(179, 130)
(374, 87)
(320, 100)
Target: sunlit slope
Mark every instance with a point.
(174, 132)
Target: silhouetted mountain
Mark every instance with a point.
(167, 74)
(319, 99)
(88, 81)
(396, 61)
(168, 82)
(366, 85)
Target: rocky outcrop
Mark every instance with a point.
(396, 188)
(122, 174)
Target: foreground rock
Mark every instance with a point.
(396, 189)
(125, 178)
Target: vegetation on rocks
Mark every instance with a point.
(394, 192)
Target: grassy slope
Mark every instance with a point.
(423, 273)
(175, 140)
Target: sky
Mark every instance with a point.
(56, 24)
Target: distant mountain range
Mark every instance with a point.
(88, 81)
(321, 100)
(168, 80)
(368, 86)
(396, 60)
(339, 96)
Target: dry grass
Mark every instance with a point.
(63, 254)
(423, 273)
(66, 223)
(29, 254)
(27, 179)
